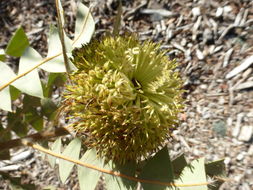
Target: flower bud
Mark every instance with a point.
(125, 96)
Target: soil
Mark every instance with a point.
(209, 38)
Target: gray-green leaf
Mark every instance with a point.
(71, 151)
(5, 98)
(6, 75)
(194, 173)
(30, 83)
(56, 147)
(115, 183)
(56, 65)
(84, 27)
(88, 178)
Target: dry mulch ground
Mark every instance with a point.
(210, 38)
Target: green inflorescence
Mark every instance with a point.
(125, 96)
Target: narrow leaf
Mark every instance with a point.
(15, 123)
(178, 164)
(84, 27)
(56, 147)
(193, 173)
(18, 43)
(15, 93)
(158, 168)
(57, 79)
(115, 183)
(216, 169)
(33, 118)
(20, 129)
(54, 79)
(48, 108)
(71, 151)
(88, 178)
(2, 55)
(30, 83)
(5, 98)
(54, 43)
(6, 75)
(56, 65)
(30, 102)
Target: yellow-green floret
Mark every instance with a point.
(125, 96)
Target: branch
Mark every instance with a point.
(25, 73)
(110, 172)
(61, 35)
(45, 60)
(33, 138)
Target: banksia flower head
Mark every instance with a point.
(125, 96)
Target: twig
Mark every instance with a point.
(30, 70)
(33, 138)
(61, 35)
(110, 172)
(45, 60)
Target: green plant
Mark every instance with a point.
(127, 85)
(126, 96)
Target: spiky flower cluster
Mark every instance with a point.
(125, 96)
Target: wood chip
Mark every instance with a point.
(199, 54)
(243, 77)
(161, 12)
(195, 28)
(227, 57)
(178, 46)
(21, 156)
(219, 12)
(244, 18)
(196, 11)
(239, 17)
(217, 49)
(246, 133)
(134, 10)
(245, 85)
(10, 168)
(245, 64)
(183, 141)
(236, 129)
(225, 31)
